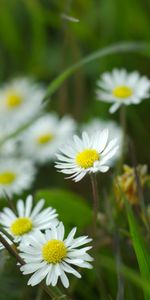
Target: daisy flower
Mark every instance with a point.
(15, 176)
(42, 139)
(122, 88)
(89, 154)
(114, 131)
(20, 101)
(50, 256)
(27, 219)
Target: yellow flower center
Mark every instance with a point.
(7, 178)
(45, 138)
(21, 226)
(13, 100)
(122, 91)
(54, 251)
(86, 158)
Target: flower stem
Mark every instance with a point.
(123, 124)
(6, 234)
(51, 293)
(95, 201)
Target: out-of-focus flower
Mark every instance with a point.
(27, 220)
(15, 176)
(50, 256)
(127, 184)
(122, 88)
(41, 141)
(20, 101)
(114, 131)
(86, 155)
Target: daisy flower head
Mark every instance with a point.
(114, 131)
(16, 175)
(27, 220)
(88, 154)
(48, 255)
(122, 88)
(20, 101)
(45, 136)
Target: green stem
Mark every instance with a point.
(7, 234)
(95, 202)
(123, 124)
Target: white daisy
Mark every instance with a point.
(27, 220)
(114, 131)
(15, 176)
(20, 101)
(42, 139)
(86, 155)
(122, 88)
(50, 256)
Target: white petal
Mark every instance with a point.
(28, 206)
(114, 107)
(37, 208)
(20, 208)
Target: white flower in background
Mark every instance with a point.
(15, 176)
(50, 256)
(41, 141)
(86, 155)
(27, 220)
(114, 131)
(122, 88)
(20, 101)
(10, 148)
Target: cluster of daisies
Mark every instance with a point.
(42, 245)
(34, 137)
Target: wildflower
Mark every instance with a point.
(16, 175)
(42, 139)
(27, 220)
(50, 256)
(114, 131)
(126, 183)
(122, 88)
(20, 101)
(86, 155)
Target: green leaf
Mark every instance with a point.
(133, 276)
(113, 49)
(72, 208)
(140, 247)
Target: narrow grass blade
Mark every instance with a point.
(113, 49)
(140, 247)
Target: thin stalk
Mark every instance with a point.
(39, 294)
(7, 234)
(10, 202)
(123, 124)
(120, 292)
(95, 202)
(15, 254)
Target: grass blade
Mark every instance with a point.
(116, 48)
(140, 247)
